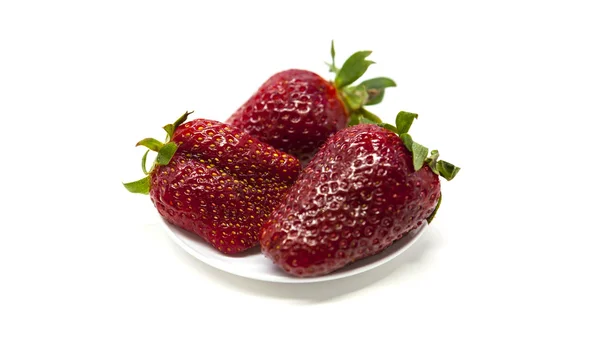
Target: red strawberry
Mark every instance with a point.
(216, 181)
(364, 189)
(297, 110)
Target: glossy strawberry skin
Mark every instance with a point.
(221, 184)
(355, 198)
(294, 111)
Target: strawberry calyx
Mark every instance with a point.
(419, 152)
(165, 151)
(368, 92)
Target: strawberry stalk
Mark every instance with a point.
(355, 97)
(165, 151)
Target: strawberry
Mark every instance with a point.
(367, 187)
(215, 181)
(297, 110)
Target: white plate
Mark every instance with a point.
(254, 265)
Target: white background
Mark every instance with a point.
(507, 90)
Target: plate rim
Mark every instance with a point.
(169, 228)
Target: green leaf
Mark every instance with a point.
(150, 143)
(430, 218)
(375, 96)
(376, 89)
(389, 127)
(181, 119)
(378, 83)
(432, 161)
(353, 119)
(407, 140)
(166, 153)
(419, 152)
(447, 170)
(139, 186)
(332, 67)
(353, 69)
(404, 121)
(332, 53)
(419, 155)
(363, 120)
(170, 128)
(144, 162)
